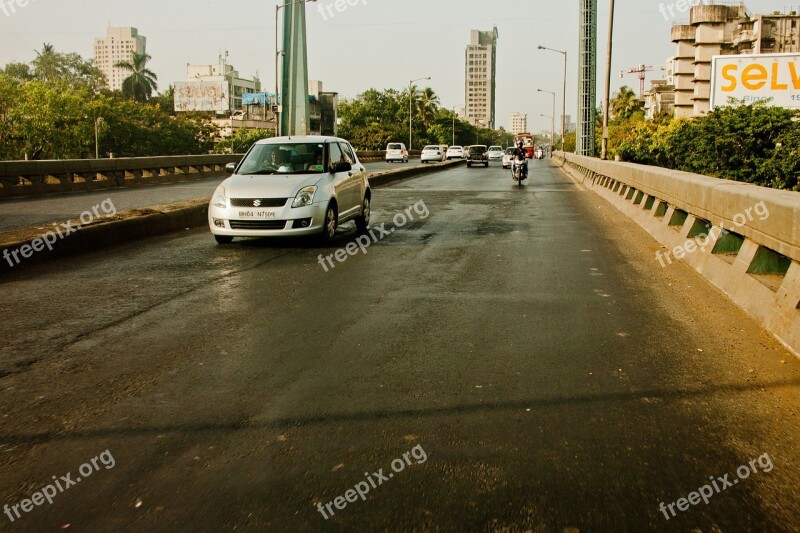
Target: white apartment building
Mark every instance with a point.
(480, 64)
(222, 71)
(517, 123)
(119, 44)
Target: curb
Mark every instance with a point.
(151, 222)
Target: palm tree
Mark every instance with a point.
(141, 84)
(625, 103)
(427, 105)
(46, 65)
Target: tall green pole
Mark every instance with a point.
(295, 118)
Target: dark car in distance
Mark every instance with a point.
(478, 154)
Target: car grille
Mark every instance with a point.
(258, 224)
(258, 202)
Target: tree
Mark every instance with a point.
(427, 106)
(142, 82)
(625, 103)
(165, 101)
(241, 140)
(20, 71)
(46, 65)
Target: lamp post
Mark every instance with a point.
(97, 122)
(564, 103)
(277, 54)
(604, 150)
(553, 125)
(410, 109)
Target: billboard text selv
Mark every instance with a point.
(749, 78)
(202, 96)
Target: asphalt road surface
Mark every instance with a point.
(508, 359)
(30, 212)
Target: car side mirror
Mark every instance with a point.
(342, 166)
(230, 167)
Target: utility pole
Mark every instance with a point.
(604, 152)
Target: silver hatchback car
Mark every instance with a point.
(289, 187)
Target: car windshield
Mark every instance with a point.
(284, 158)
(477, 149)
(456, 148)
(395, 146)
(495, 149)
(432, 148)
(510, 151)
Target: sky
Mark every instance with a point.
(371, 44)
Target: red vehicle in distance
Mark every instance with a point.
(527, 142)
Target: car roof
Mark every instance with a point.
(301, 139)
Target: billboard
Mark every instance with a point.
(202, 96)
(773, 78)
(258, 99)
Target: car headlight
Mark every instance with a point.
(219, 200)
(305, 197)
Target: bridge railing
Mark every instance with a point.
(38, 178)
(744, 238)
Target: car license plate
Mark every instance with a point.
(257, 214)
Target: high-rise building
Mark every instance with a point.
(119, 44)
(723, 29)
(517, 123)
(480, 64)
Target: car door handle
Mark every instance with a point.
(350, 174)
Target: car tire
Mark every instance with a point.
(362, 222)
(486, 165)
(469, 165)
(331, 222)
(223, 239)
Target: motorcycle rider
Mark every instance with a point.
(521, 155)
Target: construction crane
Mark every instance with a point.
(642, 71)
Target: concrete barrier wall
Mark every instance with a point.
(40, 178)
(743, 238)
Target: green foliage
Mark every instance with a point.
(381, 117)
(749, 143)
(241, 140)
(141, 83)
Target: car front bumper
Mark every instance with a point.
(265, 222)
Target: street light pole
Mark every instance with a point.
(97, 122)
(410, 109)
(278, 53)
(553, 125)
(604, 150)
(564, 102)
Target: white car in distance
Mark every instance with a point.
(432, 153)
(495, 153)
(455, 152)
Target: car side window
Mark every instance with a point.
(335, 154)
(348, 154)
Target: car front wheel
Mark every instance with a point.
(222, 239)
(329, 228)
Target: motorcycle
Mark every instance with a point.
(518, 171)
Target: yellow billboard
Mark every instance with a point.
(750, 78)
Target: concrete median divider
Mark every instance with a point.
(743, 238)
(146, 222)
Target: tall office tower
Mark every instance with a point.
(587, 78)
(118, 45)
(480, 81)
(518, 123)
